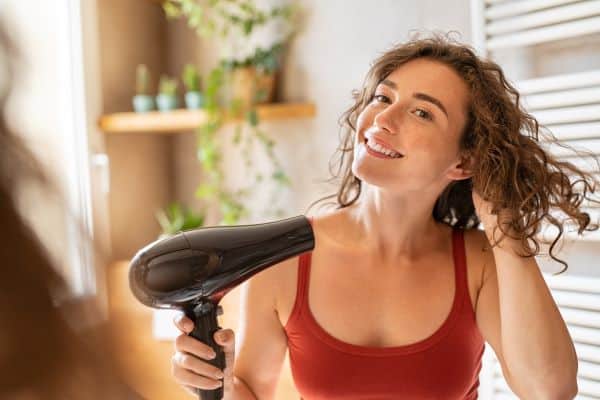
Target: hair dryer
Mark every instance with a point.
(193, 270)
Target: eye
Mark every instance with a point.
(426, 113)
(381, 98)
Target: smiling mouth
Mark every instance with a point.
(380, 151)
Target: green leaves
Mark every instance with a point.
(214, 82)
(199, 16)
(265, 140)
(177, 217)
(206, 190)
(142, 79)
(268, 60)
(231, 209)
(205, 16)
(252, 117)
(208, 156)
(191, 78)
(280, 177)
(265, 60)
(167, 85)
(237, 136)
(195, 15)
(247, 27)
(187, 6)
(172, 9)
(236, 107)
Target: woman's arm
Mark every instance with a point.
(262, 340)
(240, 391)
(536, 343)
(519, 319)
(527, 326)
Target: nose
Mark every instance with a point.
(388, 119)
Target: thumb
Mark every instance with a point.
(226, 339)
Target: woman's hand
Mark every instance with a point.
(187, 365)
(483, 209)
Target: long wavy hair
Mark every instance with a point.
(510, 168)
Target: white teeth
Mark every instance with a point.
(380, 149)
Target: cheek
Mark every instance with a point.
(364, 120)
(429, 154)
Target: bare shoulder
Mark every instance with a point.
(282, 279)
(276, 278)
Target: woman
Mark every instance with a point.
(401, 290)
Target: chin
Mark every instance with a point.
(374, 176)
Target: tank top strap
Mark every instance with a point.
(303, 276)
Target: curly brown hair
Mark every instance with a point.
(510, 167)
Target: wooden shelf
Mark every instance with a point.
(182, 120)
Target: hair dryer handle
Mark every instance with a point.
(204, 315)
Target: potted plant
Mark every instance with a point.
(250, 51)
(253, 79)
(177, 218)
(142, 101)
(191, 80)
(166, 100)
(253, 39)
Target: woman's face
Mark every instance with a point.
(418, 111)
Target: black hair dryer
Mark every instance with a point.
(193, 270)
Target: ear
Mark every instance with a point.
(462, 169)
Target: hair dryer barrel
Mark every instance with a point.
(208, 262)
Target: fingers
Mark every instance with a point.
(188, 378)
(183, 323)
(188, 344)
(226, 339)
(189, 363)
(196, 365)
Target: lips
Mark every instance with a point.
(382, 143)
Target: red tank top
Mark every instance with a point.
(445, 365)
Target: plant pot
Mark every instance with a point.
(194, 100)
(250, 85)
(143, 103)
(166, 102)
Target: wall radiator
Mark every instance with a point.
(578, 299)
(569, 106)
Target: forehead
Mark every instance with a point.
(435, 79)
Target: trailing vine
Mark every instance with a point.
(208, 18)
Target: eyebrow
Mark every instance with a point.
(418, 95)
